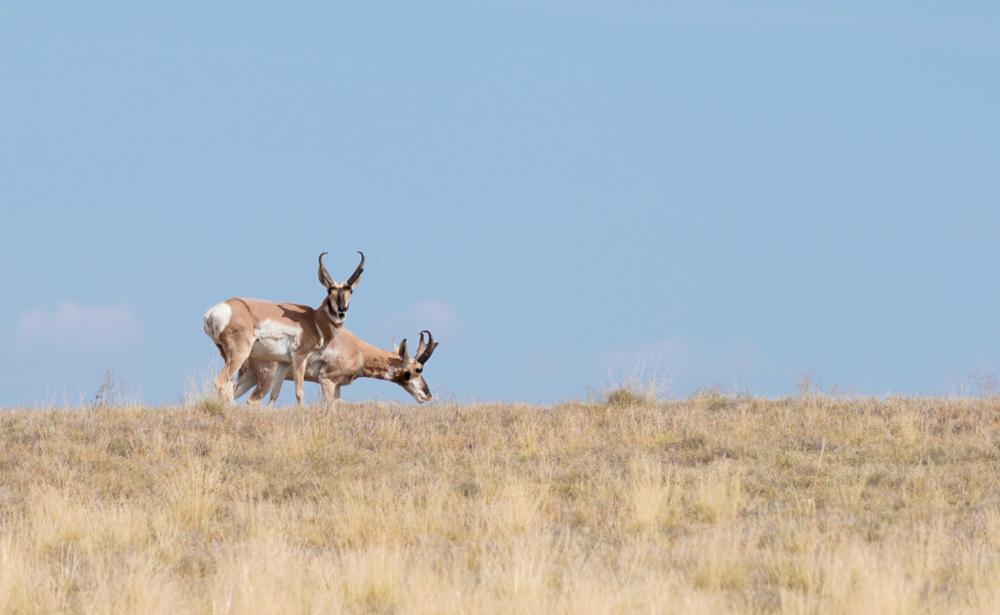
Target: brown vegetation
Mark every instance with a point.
(716, 504)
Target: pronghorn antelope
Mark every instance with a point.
(343, 359)
(286, 332)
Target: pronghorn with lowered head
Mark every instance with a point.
(343, 359)
(285, 332)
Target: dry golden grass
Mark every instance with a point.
(712, 505)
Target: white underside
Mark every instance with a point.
(276, 341)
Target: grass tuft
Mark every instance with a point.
(620, 398)
(212, 406)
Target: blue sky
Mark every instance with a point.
(726, 193)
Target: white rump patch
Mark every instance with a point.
(216, 320)
(276, 341)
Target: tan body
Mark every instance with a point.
(282, 332)
(268, 331)
(343, 358)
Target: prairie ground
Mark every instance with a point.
(712, 505)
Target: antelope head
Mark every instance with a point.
(410, 373)
(338, 296)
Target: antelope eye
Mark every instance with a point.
(420, 370)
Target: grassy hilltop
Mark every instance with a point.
(714, 505)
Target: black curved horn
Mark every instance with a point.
(356, 276)
(324, 275)
(426, 348)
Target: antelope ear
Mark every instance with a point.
(402, 351)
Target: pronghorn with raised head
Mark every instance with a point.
(285, 332)
(343, 359)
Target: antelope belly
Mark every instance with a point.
(275, 341)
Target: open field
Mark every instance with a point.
(712, 505)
